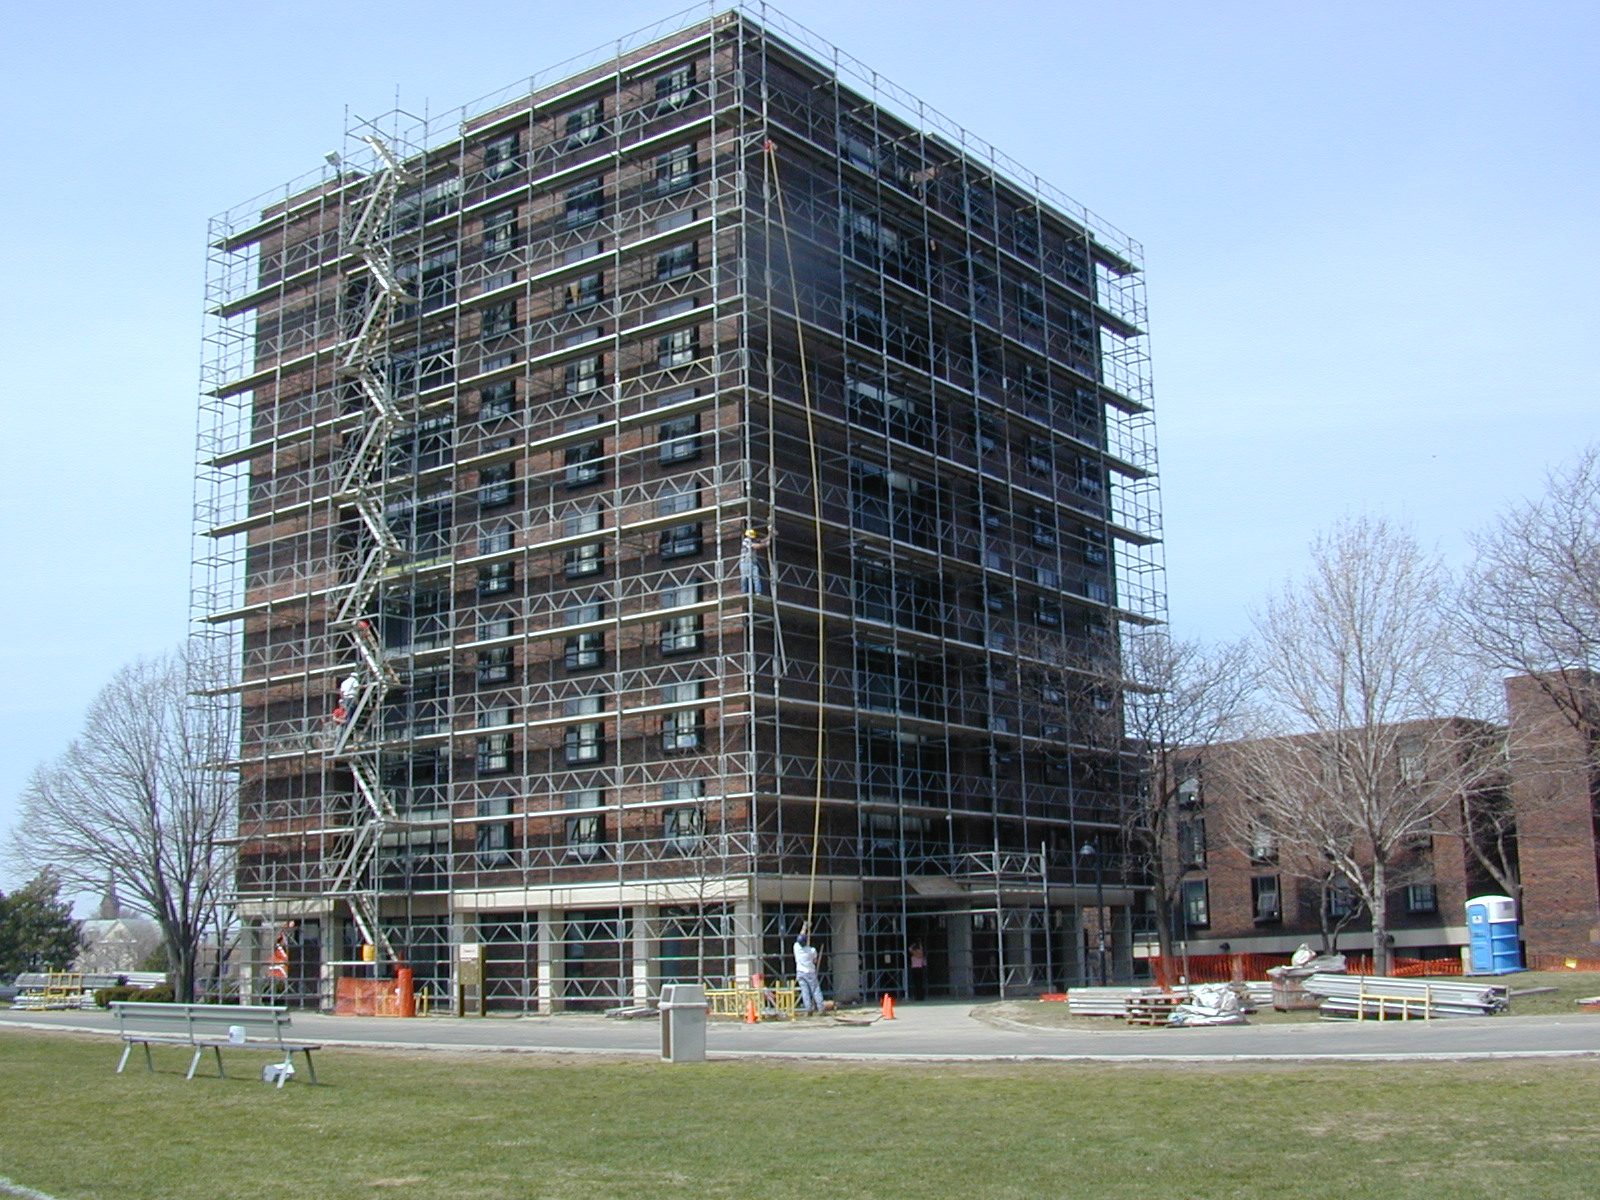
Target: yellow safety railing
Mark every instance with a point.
(771, 1000)
(1423, 1004)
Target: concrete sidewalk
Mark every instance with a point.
(935, 1032)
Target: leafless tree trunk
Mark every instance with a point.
(1163, 701)
(1359, 756)
(142, 793)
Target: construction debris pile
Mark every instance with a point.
(1209, 1004)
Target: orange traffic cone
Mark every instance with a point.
(888, 1007)
(751, 1017)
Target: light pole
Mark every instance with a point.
(1090, 853)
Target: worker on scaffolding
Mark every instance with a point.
(753, 560)
(345, 709)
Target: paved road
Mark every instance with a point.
(940, 1031)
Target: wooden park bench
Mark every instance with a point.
(213, 1027)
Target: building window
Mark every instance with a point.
(1196, 904)
(494, 664)
(678, 347)
(679, 439)
(681, 634)
(586, 203)
(1094, 547)
(588, 559)
(584, 292)
(491, 628)
(585, 463)
(1040, 457)
(1030, 305)
(1266, 899)
(1189, 794)
(1409, 760)
(680, 541)
(1192, 842)
(585, 836)
(494, 753)
(680, 260)
(584, 520)
(495, 578)
(1043, 527)
(497, 400)
(684, 828)
(427, 203)
(501, 156)
(432, 281)
(1046, 613)
(585, 651)
(493, 845)
(676, 169)
(675, 88)
(500, 233)
(1263, 843)
(1339, 900)
(430, 365)
(683, 730)
(1422, 898)
(584, 375)
(495, 485)
(586, 124)
(584, 743)
(678, 496)
(498, 320)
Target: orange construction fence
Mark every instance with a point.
(374, 997)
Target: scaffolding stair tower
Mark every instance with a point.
(364, 360)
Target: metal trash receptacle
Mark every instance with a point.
(683, 1023)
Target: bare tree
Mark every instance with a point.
(1180, 698)
(1151, 704)
(1359, 758)
(1532, 600)
(141, 793)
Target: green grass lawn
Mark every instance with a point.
(502, 1126)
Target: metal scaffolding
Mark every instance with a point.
(490, 403)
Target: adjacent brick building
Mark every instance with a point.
(1237, 898)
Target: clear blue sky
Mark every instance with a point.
(1370, 231)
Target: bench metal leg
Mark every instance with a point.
(195, 1061)
(311, 1071)
(283, 1071)
(220, 1073)
(127, 1049)
(149, 1063)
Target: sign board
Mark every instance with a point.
(469, 964)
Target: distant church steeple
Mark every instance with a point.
(110, 906)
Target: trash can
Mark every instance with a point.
(683, 1023)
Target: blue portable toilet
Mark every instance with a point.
(1494, 934)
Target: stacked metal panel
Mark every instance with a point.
(1351, 996)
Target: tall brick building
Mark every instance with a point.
(632, 508)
